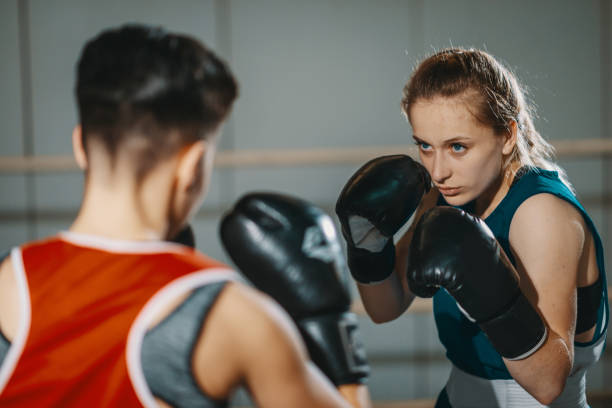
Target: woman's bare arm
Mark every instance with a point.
(547, 237)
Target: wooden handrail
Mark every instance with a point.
(293, 157)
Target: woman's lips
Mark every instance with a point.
(449, 191)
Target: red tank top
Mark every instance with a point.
(84, 295)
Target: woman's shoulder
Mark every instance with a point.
(536, 190)
(544, 208)
(546, 220)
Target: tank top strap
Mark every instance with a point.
(530, 182)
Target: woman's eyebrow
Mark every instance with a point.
(452, 140)
(457, 139)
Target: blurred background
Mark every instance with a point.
(320, 84)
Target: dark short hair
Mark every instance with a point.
(143, 82)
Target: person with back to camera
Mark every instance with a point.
(111, 314)
(513, 262)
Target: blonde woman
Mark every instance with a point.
(513, 262)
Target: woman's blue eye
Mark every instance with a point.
(424, 146)
(457, 148)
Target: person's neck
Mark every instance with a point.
(119, 212)
(493, 196)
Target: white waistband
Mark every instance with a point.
(467, 391)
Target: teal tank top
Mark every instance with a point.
(466, 345)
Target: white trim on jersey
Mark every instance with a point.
(118, 245)
(152, 308)
(18, 343)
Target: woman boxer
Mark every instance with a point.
(109, 313)
(521, 317)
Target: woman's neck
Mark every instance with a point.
(493, 196)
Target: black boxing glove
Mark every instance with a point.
(457, 251)
(289, 249)
(373, 205)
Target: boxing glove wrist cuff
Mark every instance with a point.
(335, 346)
(371, 267)
(518, 332)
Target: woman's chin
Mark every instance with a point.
(456, 200)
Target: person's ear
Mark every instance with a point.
(190, 168)
(510, 138)
(78, 149)
(187, 186)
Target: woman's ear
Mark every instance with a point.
(510, 138)
(78, 149)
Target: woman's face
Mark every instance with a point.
(463, 157)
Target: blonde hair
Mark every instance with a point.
(495, 98)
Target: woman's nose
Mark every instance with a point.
(440, 170)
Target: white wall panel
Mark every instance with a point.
(552, 45)
(12, 186)
(60, 30)
(206, 231)
(11, 142)
(13, 196)
(319, 184)
(316, 74)
(319, 73)
(12, 233)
